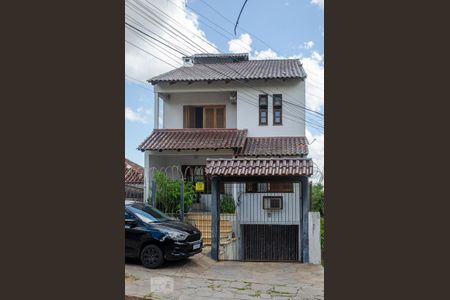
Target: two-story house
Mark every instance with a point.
(227, 115)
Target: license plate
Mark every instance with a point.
(196, 245)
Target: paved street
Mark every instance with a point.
(200, 277)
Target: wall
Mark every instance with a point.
(245, 111)
(251, 207)
(314, 237)
(173, 108)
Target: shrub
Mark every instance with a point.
(227, 205)
(318, 198)
(322, 237)
(168, 193)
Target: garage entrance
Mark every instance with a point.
(260, 220)
(272, 203)
(270, 242)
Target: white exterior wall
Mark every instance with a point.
(244, 114)
(314, 238)
(292, 116)
(173, 108)
(250, 206)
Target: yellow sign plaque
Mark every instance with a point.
(199, 186)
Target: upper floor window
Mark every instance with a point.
(263, 103)
(277, 109)
(204, 116)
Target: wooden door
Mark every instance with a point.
(214, 117)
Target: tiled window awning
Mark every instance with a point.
(274, 146)
(194, 139)
(259, 167)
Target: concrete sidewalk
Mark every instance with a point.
(200, 277)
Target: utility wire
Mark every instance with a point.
(312, 111)
(316, 126)
(140, 31)
(230, 35)
(237, 21)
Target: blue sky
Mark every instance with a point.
(288, 28)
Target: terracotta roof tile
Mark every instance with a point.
(259, 167)
(275, 146)
(134, 173)
(194, 139)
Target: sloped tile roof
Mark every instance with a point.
(134, 173)
(250, 69)
(259, 167)
(274, 146)
(194, 139)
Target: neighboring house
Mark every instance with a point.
(134, 181)
(227, 116)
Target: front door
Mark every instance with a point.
(209, 116)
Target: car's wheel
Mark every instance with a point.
(152, 256)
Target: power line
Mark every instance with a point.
(229, 37)
(312, 111)
(140, 31)
(239, 16)
(152, 20)
(317, 126)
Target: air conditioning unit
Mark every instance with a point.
(272, 202)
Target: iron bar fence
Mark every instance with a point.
(259, 220)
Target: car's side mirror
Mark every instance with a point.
(130, 222)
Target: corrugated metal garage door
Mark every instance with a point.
(270, 242)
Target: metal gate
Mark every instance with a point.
(260, 221)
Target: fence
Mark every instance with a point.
(173, 191)
(134, 192)
(258, 220)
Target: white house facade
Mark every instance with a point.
(237, 119)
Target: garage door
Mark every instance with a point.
(270, 242)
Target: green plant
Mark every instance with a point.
(168, 193)
(318, 198)
(322, 236)
(227, 205)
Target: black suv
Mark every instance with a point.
(153, 237)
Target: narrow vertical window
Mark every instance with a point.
(277, 110)
(263, 109)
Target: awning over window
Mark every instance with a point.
(275, 146)
(259, 167)
(194, 139)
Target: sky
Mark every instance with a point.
(267, 29)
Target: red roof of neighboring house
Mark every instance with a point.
(259, 167)
(194, 139)
(275, 146)
(134, 173)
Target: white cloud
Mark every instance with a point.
(241, 45)
(265, 54)
(143, 66)
(316, 151)
(314, 67)
(140, 115)
(318, 3)
(308, 45)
